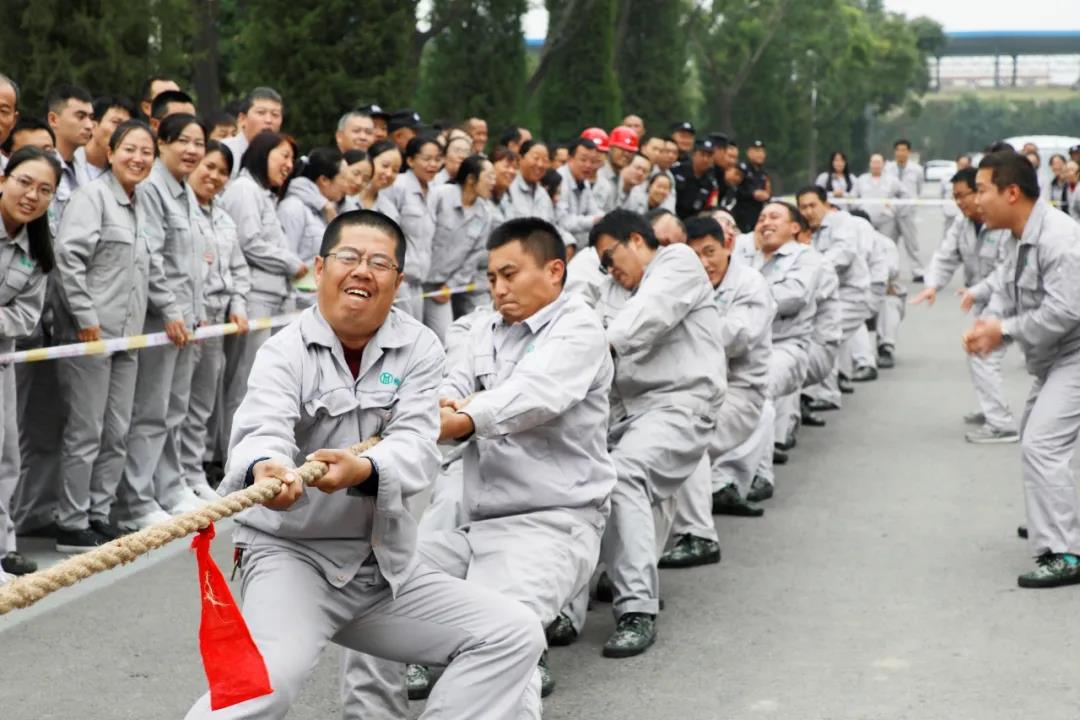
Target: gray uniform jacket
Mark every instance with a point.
(525, 201)
(254, 210)
(838, 240)
(1035, 288)
(577, 207)
(828, 314)
(226, 279)
(911, 177)
(103, 263)
(540, 408)
(169, 206)
(85, 171)
(584, 277)
(302, 219)
(413, 212)
(302, 397)
(746, 312)
(978, 250)
(666, 337)
(238, 144)
(876, 261)
(459, 246)
(792, 276)
(884, 187)
(22, 289)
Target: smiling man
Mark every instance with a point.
(336, 561)
(664, 331)
(530, 387)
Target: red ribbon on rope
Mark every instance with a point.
(234, 667)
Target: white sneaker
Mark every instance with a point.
(186, 502)
(141, 522)
(204, 492)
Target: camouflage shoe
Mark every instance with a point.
(760, 489)
(1054, 570)
(690, 551)
(727, 501)
(418, 681)
(633, 635)
(561, 632)
(547, 680)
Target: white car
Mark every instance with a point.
(938, 170)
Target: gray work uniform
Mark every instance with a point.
(793, 272)
(911, 178)
(153, 479)
(664, 404)
(226, 283)
(746, 309)
(1035, 290)
(892, 307)
(577, 209)
(883, 187)
(104, 272)
(85, 171)
(458, 250)
(537, 474)
(978, 250)
(22, 296)
(842, 243)
(271, 265)
(406, 201)
(238, 144)
(303, 223)
(523, 200)
(342, 567)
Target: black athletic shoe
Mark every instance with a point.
(77, 541)
(16, 564)
(105, 530)
(48, 530)
(779, 457)
(760, 489)
(789, 443)
(547, 680)
(844, 383)
(810, 419)
(605, 591)
(821, 406)
(561, 632)
(1022, 531)
(885, 357)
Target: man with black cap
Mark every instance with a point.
(379, 118)
(695, 184)
(683, 135)
(403, 126)
(755, 190)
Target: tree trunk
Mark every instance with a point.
(207, 57)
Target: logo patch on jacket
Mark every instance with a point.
(388, 379)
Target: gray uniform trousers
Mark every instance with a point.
(823, 363)
(908, 239)
(887, 326)
(789, 365)
(738, 417)
(740, 465)
(41, 424)
(99, 392)
(490, 644)
(654, 453)
(437, 316)
(1048, 440)
(9, 457)
(208, 358)
(240, 353)
(408, 298)
(989, 389)
(153, 478)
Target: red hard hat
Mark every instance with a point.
(598, 136)
(624, 138)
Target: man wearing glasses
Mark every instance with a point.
(321, 565)
(664, 331)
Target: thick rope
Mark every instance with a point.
(26, 590)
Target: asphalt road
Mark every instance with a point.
(879, 585)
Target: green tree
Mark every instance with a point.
(476, 64)
(106, 46)
(323, 58)
(651, 60)
(576, 74)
